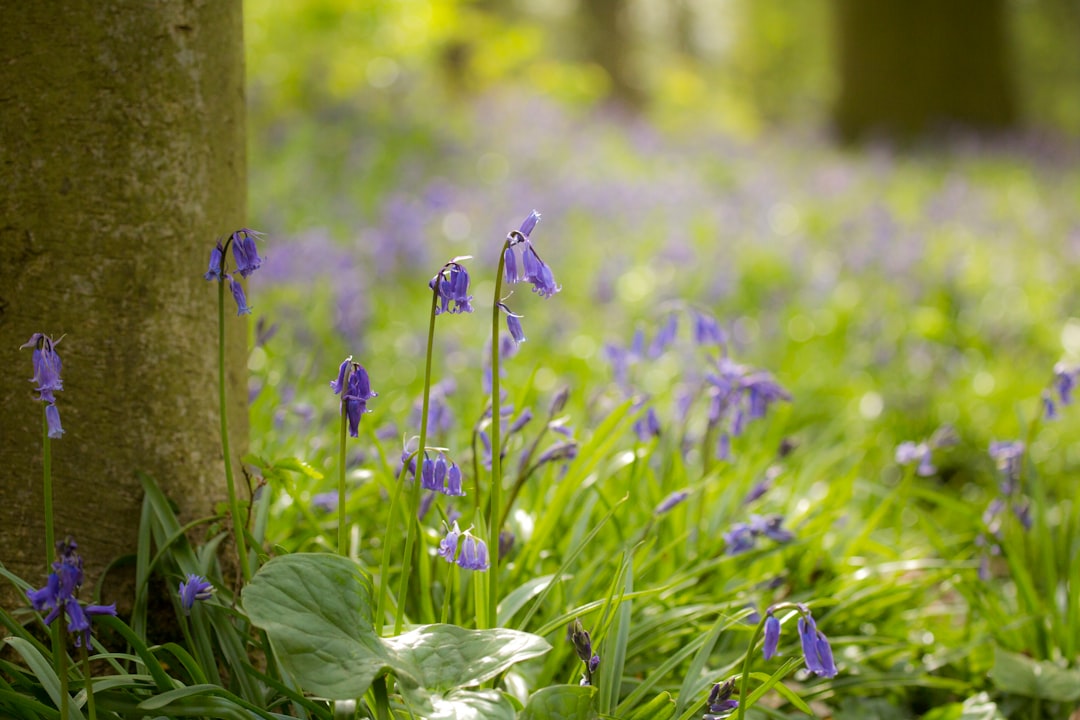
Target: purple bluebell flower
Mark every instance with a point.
(594, 663)
(671, 501)
(770, 528)
(510, 268)
(772, 636)
(485, 458)
(1022, 510)
(582, 642)
(720, 701)
(427, 474)
(474, 553)
(707, 330)
(665, 336)
(1049, 408)
(909, 452)
(449, 544)
(453, 481)
(47, 366)
(558, 402)
(244, 251)
(739, 539)
(816, 649)
(59, 595)
(513, 324)
(195, 588)
(355, 387)
(216, 256)
(1008, 456)
(451, 285)
(521, 421)
(529, 224)
(242, 308)
(559, 451)
(533, 269)
(327, 502)
(647, 426)
(1064, 382)
(439, 473)
(506, 543)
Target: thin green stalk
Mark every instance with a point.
(234, 505)
(60, 652)
(341, 540)
(384, 569)
(744, 681)
(495, 495)
(414, 498)
(50, 537)
(382, 701)
(89, 686)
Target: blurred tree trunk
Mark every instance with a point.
(908, 66)
(122, 152)
(608, 41)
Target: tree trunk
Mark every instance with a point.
(608, 40)
(122, 159)
(908, 66)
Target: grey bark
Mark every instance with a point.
(122, 159)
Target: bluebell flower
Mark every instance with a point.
(47, 366)
(647, 426)
(533, 269)
(671, 501)
(739, 539)
(1064, 382)
(59, 595)
(451, 286)
(216, 256)
(506, 543)
(707, 330)
(772, 636)
(909, 452)
(427, 474)
(453, 481)
(665, 336)
(1008, 456)
(449, 544)
(195, 588)
(513, 324)
(1049, 408)
(529, 224)
(510, 268)
(816, 649)
(521, 421)
(594, 663)
(720, 701)
(244, 251)
(770, 528)
(474, 553)
(354, 385)
(327, 502)
(242, 308)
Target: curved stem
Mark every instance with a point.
(341, 540)
(495, 495)
(411, 520)
(744, 681)
(234, 504)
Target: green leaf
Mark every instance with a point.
(43, 671)
(296, 465)
(470, 705)
(660, 707)
(316, 609)
(979, 707)
(1021, 675)
(561, 702)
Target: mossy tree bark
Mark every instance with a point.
(906, 67)
(122, 158)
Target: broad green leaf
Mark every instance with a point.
(470, 705)
(443, 657)
(316, 609)
(1021, 675)
(979, 707)
(560, 702)
(44, 672)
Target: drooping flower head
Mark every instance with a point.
(473, 553)
(532, 270)
(816, 649)
(579, 637)
(47, 366)
(60, 594)
(194, 588)
(513, 324)
(246, 257)
(354, 386)
(451, 286)
(772, 636)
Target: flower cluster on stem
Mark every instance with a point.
(60, 594)
(47, 367)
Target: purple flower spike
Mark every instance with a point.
(242, 308)
(244, 251)
(357, 392)
(772, 636)
(538, 273)
(60, 591)
(196, 588)
(451, 286)
(474, 554)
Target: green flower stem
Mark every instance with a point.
(341, 539)
(495, 495)
(60, 654)
(384, 569)
(744, 680)
(90, 708)
(50, 537)
(234, 505)
(412, 522)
